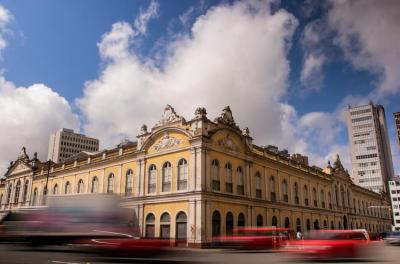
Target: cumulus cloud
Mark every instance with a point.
(368, 32)
(235, 54)
(28, 114)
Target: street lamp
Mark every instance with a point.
(47, 181)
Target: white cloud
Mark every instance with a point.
(311, 74)
(234, 55)
(144, 17)
(28, 115)
(368, 31)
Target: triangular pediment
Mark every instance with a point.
(18, 167)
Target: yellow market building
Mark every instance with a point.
(192, 180)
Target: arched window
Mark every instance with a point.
(216, 224)
(305, 195)
(241, 220)
(9, 191)
(240, 181)
(215, 175)
(298, 225)
(272, 188)
(337, 195)
(80, 186)
(182, 174)
(285, 195)
(128, 182)
(95, 185)
(35, 197)
(308, 225)
(258, 185)
(55, 189)
(322, 199)
(287, 222)
(25, 193)
(260, 221)
(166, 177)
(274, 221)
(343, 194)
(296, 193)
(314, 193)
(348, 198)
(67, 189)
(152, 179)
(229, 223)
(1, 200)
(181, 226)
(110, 183)
(17, 191)
(325, 225)
(228, 178)
(150, 225)
(333, 225)
(165, 226)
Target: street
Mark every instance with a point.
(11, 254)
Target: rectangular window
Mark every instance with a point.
(368, 156)
(362, 111)
(360, 119)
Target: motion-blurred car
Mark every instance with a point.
(254, 238)
(124, 247)
(66, 219)
(392, 238)
(330, 244)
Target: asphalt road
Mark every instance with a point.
(12, 254)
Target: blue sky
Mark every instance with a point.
(59, 44)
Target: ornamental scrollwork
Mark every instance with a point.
(166, 142)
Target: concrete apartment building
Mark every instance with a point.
(64, 144)
(394, 190)
(371, 158)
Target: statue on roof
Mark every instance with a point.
(226, 117)
(337, 164)
(200, 112)
(169, 116)
(22, 155)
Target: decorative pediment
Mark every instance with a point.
(169, 116)
(228, 144)
(166, 142)
(18, 167)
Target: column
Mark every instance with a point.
(248, 174)
(200, 169)
(192, 225)
(119, 175)
(207, 171)
(192, 171)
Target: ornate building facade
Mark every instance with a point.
(197, 179)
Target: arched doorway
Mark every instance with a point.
(229, 223)
(287, 222)
(150, 225)
(181, 226)
(308, 225)
(274, 221)
(260, 221)
(216, 224)
(241, 220)
(165, 225)
(332, 225)
(316, 225)
(345, 222)
(298, 225)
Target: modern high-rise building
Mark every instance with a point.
(64, 144)
(371, 158)
(397, 126)
(394, 190)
